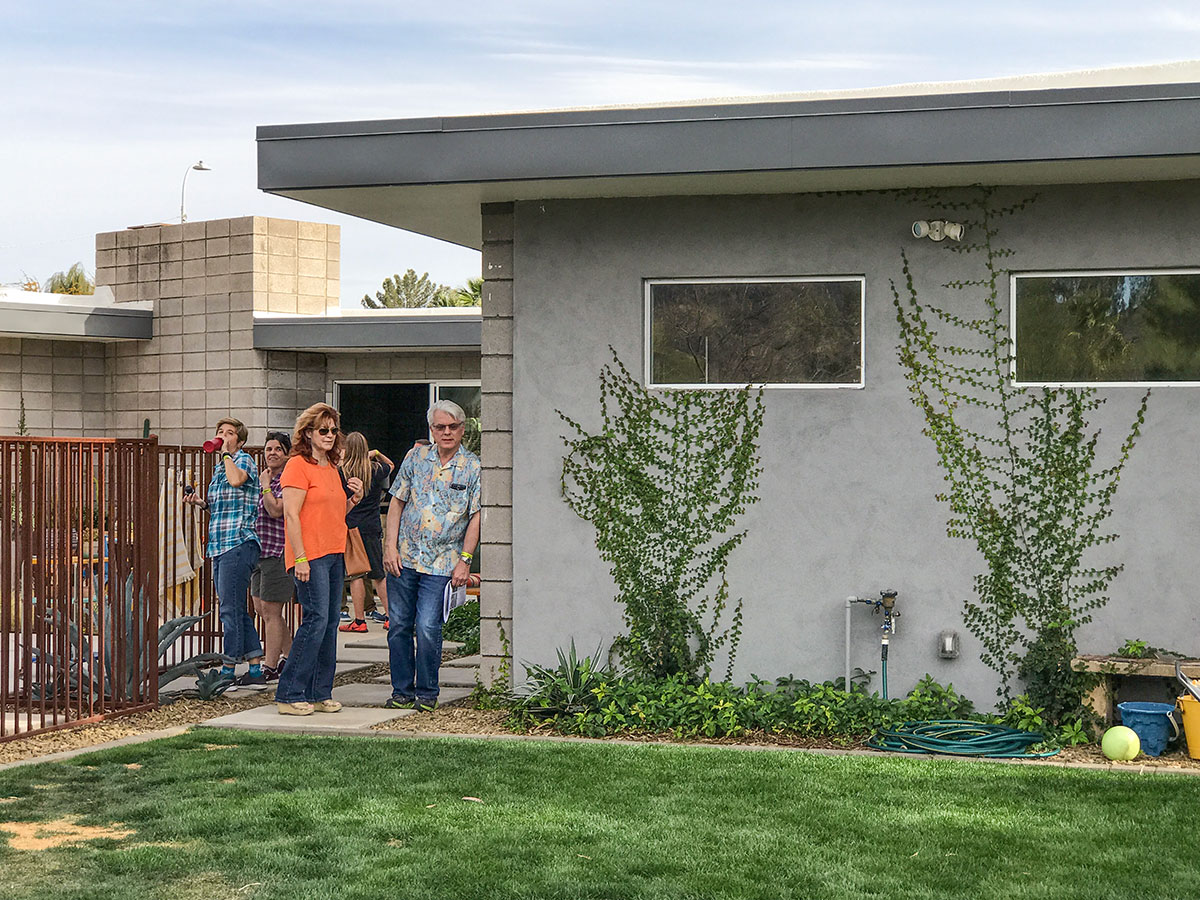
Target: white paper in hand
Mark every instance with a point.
(452, 598)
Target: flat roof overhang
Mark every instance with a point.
(83, 321)
(375, 332)
(431, 175)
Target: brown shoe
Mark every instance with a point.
(327, 706)
(299, 708)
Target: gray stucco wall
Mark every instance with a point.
(848, 485)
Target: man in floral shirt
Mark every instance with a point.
(432, 533)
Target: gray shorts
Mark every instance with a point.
(271, 581)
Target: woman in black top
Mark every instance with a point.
(373, 469)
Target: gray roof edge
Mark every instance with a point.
(758, 109)
(327, 333)
(41, 321)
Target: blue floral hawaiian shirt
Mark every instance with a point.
(439, 501)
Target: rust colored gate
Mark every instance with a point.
(79, 539)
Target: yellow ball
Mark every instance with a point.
(1120, 743)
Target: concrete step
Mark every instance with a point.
(363, 694)
(469, 661)
(369, 655)
(351, 720)
(451, 676)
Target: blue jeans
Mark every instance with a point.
(415, 610)
(308, 674)
(231, 575)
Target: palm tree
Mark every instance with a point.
(469, 295)
(73, 281)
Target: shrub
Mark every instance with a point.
(579, 697)
(463, 626)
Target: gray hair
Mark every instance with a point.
(450, 408)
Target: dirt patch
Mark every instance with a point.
(209, 748)
(134, 766)
(59, 833)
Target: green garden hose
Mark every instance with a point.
(959, 738)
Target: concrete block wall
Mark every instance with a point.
(207, 280)
(496, 362)
(62, 383)
(399, 367)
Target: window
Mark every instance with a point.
(804, 332)
(1106, 328)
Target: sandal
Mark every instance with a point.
(299, 708)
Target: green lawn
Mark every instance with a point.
(306, 818)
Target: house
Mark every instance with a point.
(592, 221)
(236, 316)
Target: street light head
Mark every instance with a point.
(199, 167)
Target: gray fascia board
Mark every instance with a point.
(38, 321)
(973, 128)
(333, 334)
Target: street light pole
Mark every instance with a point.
(199, 167)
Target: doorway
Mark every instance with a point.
(392, 414)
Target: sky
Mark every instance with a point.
(104, 105)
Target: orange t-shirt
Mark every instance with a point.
(323, 515)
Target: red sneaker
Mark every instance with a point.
(357, 627)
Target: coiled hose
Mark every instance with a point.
(959, 738)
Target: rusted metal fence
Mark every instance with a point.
(79, 532)
(186, 575)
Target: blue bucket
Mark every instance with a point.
(1152, 722)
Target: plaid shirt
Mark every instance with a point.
(439, 502)
(232, 511)
(270, 530)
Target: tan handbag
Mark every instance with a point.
(356, 555)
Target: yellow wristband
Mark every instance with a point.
(301, 559)
(466, 557)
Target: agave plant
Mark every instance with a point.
(565, 687)
(102, 681)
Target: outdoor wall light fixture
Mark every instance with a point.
(937, 230)
(199, 167)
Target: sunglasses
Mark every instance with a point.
(440, 428)
(325, 431)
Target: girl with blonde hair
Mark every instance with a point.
(373, 469)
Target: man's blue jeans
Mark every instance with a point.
(415, 611)
(308, 674)
(231, 575)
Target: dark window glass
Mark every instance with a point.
(761, 332)
(1107, 328)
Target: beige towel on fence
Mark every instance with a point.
(174, 559)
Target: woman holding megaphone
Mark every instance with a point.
(233, 546)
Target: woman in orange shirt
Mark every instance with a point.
(315, 503)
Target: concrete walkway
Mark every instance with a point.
(362, 703)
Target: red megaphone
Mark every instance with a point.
(213, 445)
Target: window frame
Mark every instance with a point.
(1068, 273)
(648, 325)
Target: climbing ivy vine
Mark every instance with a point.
(663, 482)
(1025, 479)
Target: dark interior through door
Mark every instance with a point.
(391, 416)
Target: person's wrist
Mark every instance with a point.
(301, 559)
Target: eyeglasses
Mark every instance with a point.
(438, 429)
(325, 431)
